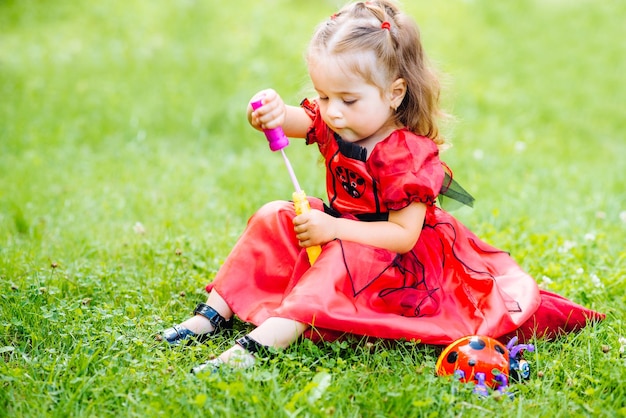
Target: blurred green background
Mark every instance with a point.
(112, 109)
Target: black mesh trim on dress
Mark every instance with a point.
(414, 297)
(418, 298)
(512, 304)
(450, 189)
(417, 295)
(351, 150)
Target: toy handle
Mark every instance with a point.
(275, 136)
(301, 204)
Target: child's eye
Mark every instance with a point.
(349, 102)
(323, 98)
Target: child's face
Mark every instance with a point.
(353, 108)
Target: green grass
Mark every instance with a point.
(117, 113)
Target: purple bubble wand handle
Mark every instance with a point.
(275, 136)
(278, 141)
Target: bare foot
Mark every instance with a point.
(237, 357)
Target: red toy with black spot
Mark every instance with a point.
(484, 361)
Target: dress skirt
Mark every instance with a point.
(449, 286)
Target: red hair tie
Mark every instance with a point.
(385, 25)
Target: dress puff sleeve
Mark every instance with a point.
(407, 168)
(318, 131)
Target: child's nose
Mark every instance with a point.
(334, 110)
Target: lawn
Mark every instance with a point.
(128, 170)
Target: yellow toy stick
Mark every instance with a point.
(278, 141)
(301, 205)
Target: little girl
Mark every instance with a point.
(393, 264)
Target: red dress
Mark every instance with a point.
(449, 286)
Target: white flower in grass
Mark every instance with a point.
(567, 245)
(622, 344)
(580, 270)
(139, 228)
(590, 236)
(544, 282)
(596, 281)
(478, 154)
(622, 215)
(520, 146)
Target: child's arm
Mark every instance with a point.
(293, 119)
(398, 234)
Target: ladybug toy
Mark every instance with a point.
(484, 361)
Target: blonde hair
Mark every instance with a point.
(359, 28)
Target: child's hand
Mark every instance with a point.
(271, 114)
(314, 228)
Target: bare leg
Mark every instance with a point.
(274, 332)
(199, 324)
(278, 332)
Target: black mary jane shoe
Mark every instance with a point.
(178, 333)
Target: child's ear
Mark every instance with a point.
(397, 92)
